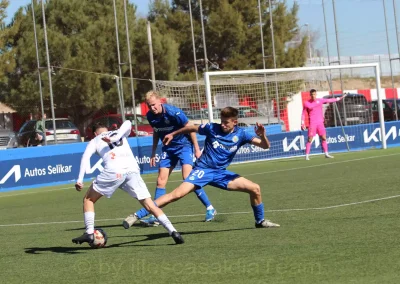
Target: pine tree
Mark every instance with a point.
(81, 36)
(7, 61)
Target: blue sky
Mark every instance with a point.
(361, 24)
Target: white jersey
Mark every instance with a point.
(117, 156)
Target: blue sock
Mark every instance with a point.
(159, 192)
(202, 195)
(143, 212)
(258, 212)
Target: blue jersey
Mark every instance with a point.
(171, 119)
(220, 147)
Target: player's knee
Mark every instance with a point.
(256, 189)
(161, 182)
(87, 200)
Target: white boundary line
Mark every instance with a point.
(231, 213)
(252, 174)
(322, 165)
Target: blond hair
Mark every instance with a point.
(152, 93)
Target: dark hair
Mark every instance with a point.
(229, 112)
(98, 125)
(313, 91)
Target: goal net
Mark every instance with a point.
(275, 97)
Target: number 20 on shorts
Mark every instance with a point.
(198, 174)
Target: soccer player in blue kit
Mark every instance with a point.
(165, 119)
(222, 142)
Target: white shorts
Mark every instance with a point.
(107, 183)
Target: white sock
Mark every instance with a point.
(163, 219)
(210, 207)
(89, 222)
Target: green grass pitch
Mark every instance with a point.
(339, 224)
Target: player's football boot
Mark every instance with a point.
(328, 156)
(307, 158)
(129, 221)
(267, 224)
(150, 222)
(210, 215)
(85, 238)
(177, 238)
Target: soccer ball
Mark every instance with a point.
(99, 239)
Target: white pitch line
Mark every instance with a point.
(253, 174)
(335, 206)
(231, 213)
(322, 165)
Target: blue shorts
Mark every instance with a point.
(170, 157)
(201, 177)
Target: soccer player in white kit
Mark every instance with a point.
(120, 171)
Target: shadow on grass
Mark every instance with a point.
(138, 225)
(105, 226)
(66, 250)
(144, 238)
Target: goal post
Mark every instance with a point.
(316, 74)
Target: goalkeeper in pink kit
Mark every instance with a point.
(316, 118)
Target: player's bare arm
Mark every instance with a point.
(197, 151)
(153, 150)
(263, 141)
(187, 129)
